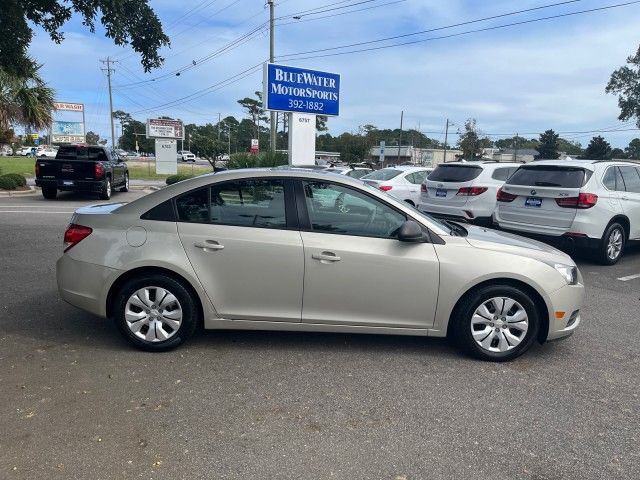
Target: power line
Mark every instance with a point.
(468, 32)
(371, 7)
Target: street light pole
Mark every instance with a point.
(446, 138)
(272, 54)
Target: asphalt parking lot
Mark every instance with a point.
(80, 403)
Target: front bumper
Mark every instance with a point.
(569, 300)
(84, 285)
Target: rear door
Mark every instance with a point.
(631, 198)
(542, 195)
(443, 184)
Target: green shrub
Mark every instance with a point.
(171, 179)
(7, 183)
(262, 160)
(20, 180)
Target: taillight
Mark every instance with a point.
(37, 168)
(75, 234)
(583, 201)
(99, 170)
(471, 191)
(503, 196)
(423, 188)
(385, 188)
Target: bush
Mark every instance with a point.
(20, 180)
(262, 160)
(171, 179)
(7, 183)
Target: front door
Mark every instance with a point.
(631, 198)
(238, 239)
(356, 271)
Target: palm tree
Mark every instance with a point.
(25, 100)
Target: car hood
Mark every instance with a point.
(488, 239)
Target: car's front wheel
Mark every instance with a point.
(155, 312)
(496, 323)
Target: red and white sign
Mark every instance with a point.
(164, 128)
(72, 107)
(255, 145)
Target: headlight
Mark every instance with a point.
(569, 272)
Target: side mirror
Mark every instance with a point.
(410, 231)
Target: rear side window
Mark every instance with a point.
(612, 179)
(417, 177)
(454, 173)
(384, 174)
(550, 176)
(194, 206)
(249, 203)
(502, 174)
(73, 152)
(631, 177)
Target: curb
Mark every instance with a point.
(19, 193)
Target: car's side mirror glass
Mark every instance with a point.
(410, 231)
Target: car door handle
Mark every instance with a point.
(209, 245)
(326, 257)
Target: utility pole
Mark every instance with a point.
(400, 139)
(272, 54)
(219, 115)
(108, 62)
(515, 149)
(446, 138)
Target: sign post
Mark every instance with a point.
(166, 133)
(382, 145)
(303, 94)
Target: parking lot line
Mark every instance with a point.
(629, 277)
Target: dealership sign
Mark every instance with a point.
(72, 107)
(292, 89)
(67, 128)
(164, 128)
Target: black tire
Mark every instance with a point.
(189, 305)
(603, 253)
(105, 193)
(125, 187)
(50, 193)
(461, 322)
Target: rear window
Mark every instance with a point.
(454, 173)
(550, 176)
(384, 174)
(73, 152)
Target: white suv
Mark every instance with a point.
(591, 203)
(186, 156)
(462, 190)
(402, 182)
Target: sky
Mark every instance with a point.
(522, 79)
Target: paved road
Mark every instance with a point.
(79, 403)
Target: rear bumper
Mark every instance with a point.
(568, 301)
(83, 284)
(545, 233)
(79, 185)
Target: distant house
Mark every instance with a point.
(428, 157)
(514, 155)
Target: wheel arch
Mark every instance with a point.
(541, 305)
(622, 220)
(136, 272)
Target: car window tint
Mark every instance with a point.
(162, 212)
(609, 178)
(194, 206)
(341, 210)
(631, 179)
(358, 173)
(454, 173)
(384, 174)
(249, 203)
(550, 176)
(419, 177)
(502, 173)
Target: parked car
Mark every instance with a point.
(27, 151)
(353, 172)
(186, 156)
(232, 250)
(402, 182)
(464, 191)
(82, 168)
(590, 203)
(49, 152)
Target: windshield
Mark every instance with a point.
(454, 173)
(550, 176)
(384, 174)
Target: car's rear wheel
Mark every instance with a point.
(50, 193)
(612, 244)
(496, 323)
(105, 194)
(155, 312)
(125, 187)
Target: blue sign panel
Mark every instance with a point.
(292, 89)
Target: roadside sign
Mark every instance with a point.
(165, 128)
(67, 138)
(64, 131)
(292, 89)
(382, 145)
(72, 107)
(255, 145)
(34, 136)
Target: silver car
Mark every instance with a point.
(255, 250)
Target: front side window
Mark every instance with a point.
(631, 177)
(345, 211)
(249, 203)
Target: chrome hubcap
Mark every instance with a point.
(614, 246)
(108, 187)
(499, 324)
(153, 314)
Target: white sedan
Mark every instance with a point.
(402, 182)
